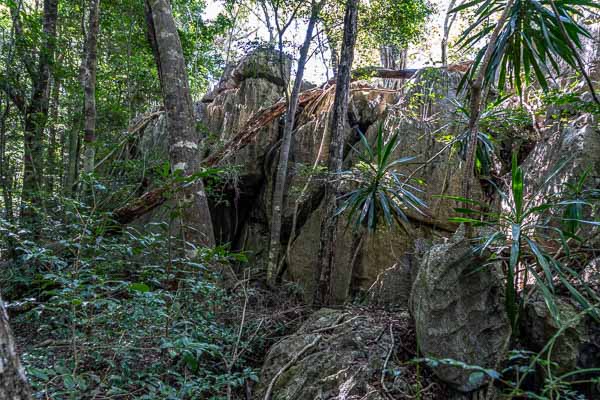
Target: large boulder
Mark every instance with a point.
(539, 327)
(459, 312)
(417, 116)
(342, 354)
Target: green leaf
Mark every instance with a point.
(139, 287)
(38, 373)
(517, 187)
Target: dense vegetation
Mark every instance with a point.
(115, 277)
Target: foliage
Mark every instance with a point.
(530, 40)
(396, 23)
(380, 22)
(380, 191)
(525, 230)
(581, 197)
(126, 316)
(564, 102)
(127, 85)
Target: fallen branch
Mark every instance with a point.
(383, 73)
(134, 129)
(140, 206)
(336, 325)
(261, 119)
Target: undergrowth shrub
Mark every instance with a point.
(105, 315)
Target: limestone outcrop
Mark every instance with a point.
(241, 213)
(370, 108)
(423, 113)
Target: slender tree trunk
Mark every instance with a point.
(392, 57)
(269, 26)
(72, 174)
(6, 182)
(333, 50)
(4, 166)
(326, 258)
(13, 381)
(448, 22)
(284, 152)
(51, 156)
(88, 82)
(475, 104)
(37, 114)
(594, 69)
(183, 140)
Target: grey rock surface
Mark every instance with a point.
(345, 361)
(459, 312)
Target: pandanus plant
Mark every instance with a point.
(534, 37)
(379, 192)
(524, 230)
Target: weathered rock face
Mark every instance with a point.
(576, 339)
(358, 262)
(578, 144)
(579, 141)
(339, 354)
(391, 290)
(415, 117)
(590, 275)
(459, 312)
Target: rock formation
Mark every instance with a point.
(343, 354)
(456, 296)
(458, 306)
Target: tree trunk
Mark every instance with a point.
(53, 145)
(475, 104)
(5, 173)
(37, 114)
(284, 152)
(6, 182)
(88, 82)
(184, 153)
(448, 22)
(333, 50)
(74, 147)
(268, 25)
(326, 257)
(13, 381)
(594, 69)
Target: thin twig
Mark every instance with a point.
(387, 359)
(327, 328)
